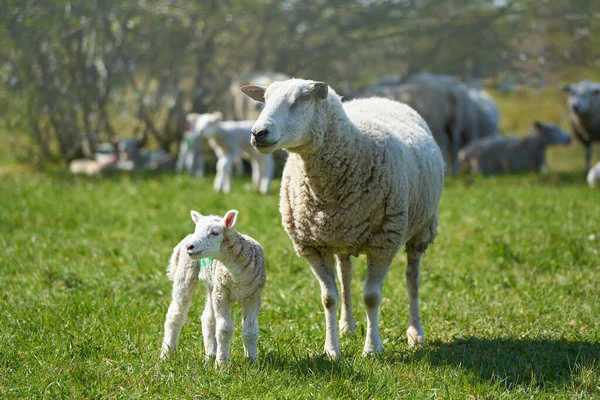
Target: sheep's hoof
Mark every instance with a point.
(209, 358)
(347, 329)
(333, 355)
(165, 354)
(415, 336)
(372, 350)
(222, 362)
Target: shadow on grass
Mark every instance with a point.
(514, 361)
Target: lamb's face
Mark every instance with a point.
(206, 124)
(290, 110)
(208, 235)
(584, 97)
(553, 133)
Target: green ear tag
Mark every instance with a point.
(206, 263)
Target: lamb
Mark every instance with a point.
(133, 158)
(362, 177)
(104, 160)
(191, 149)
(498, 155)
(593, 177)
(230, 141)
(232, 267)
(584, 114)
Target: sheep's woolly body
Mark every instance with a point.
(371, 183)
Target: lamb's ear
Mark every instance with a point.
(230, 218)
(566, 88)
(254, 92)
(196, 216)
(192, 117)
(319, 90)
(217, 116)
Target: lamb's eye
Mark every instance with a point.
(214, 233)
(304, 96)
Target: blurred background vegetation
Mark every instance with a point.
(70, 69)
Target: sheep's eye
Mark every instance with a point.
(304, 96)
(214, 233)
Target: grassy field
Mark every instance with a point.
(510, 295)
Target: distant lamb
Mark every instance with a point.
(593, 177)
(191, 149)
(584, 114)
(502, 154)
(363, 177)
(237, 273)
(230, 140)
(132, 157)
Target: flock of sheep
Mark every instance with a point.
(363, 176)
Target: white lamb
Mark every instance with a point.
(237, 273)
(230, 141)
(593, 177)
(362, 177)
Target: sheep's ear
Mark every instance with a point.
(196, 216)
(230, 218)
(566, 88)
(319, 90)
(217, 116)
(254, 92)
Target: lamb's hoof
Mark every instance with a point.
(222, 362)
(251, 360)
(209, 358)
(333, 354)
(347, 329)
(165, 354)
(372, 350)
(415, 336)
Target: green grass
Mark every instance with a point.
(510, 295)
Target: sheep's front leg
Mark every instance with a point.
(209, 327)
(344, 270)
(224, 326)
(250, 308)
(414, 333)
(184, 283)
(377, 269)
(324, 270)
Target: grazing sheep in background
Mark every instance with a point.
(133, 158)
(105, 160)
(191, 150)
(230, 140)
(237, 273)
(584, 114)
(363, 177)
(593, 177)
(454, 115)
(501, 154)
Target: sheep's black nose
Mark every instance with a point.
(189, 247)
(261, 133)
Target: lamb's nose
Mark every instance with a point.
(189, 247)
(259, 134)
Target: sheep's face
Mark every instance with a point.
(584, 97)
(552, 133)
(291, 109)
(204, 124)
(209, 233)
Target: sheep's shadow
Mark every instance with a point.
(513, 362)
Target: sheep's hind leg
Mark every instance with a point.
(377, 270)
(344, 270)
(324, 270)
(250, 308)
(184, 283)
(209, 327)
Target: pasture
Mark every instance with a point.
(509, 297)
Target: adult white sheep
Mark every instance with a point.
(230, 141)
(363, 177)
(237, 273)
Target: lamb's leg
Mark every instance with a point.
(197, 169)
(184, 283)
(218, 185)
(266, 168)
(227, 172)
(377, 269)
(239, 166)
(250, 308)
(255, 174)
(209, 327)
(414, 333)
(344, 270)
(324, 270)
(224, 327)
